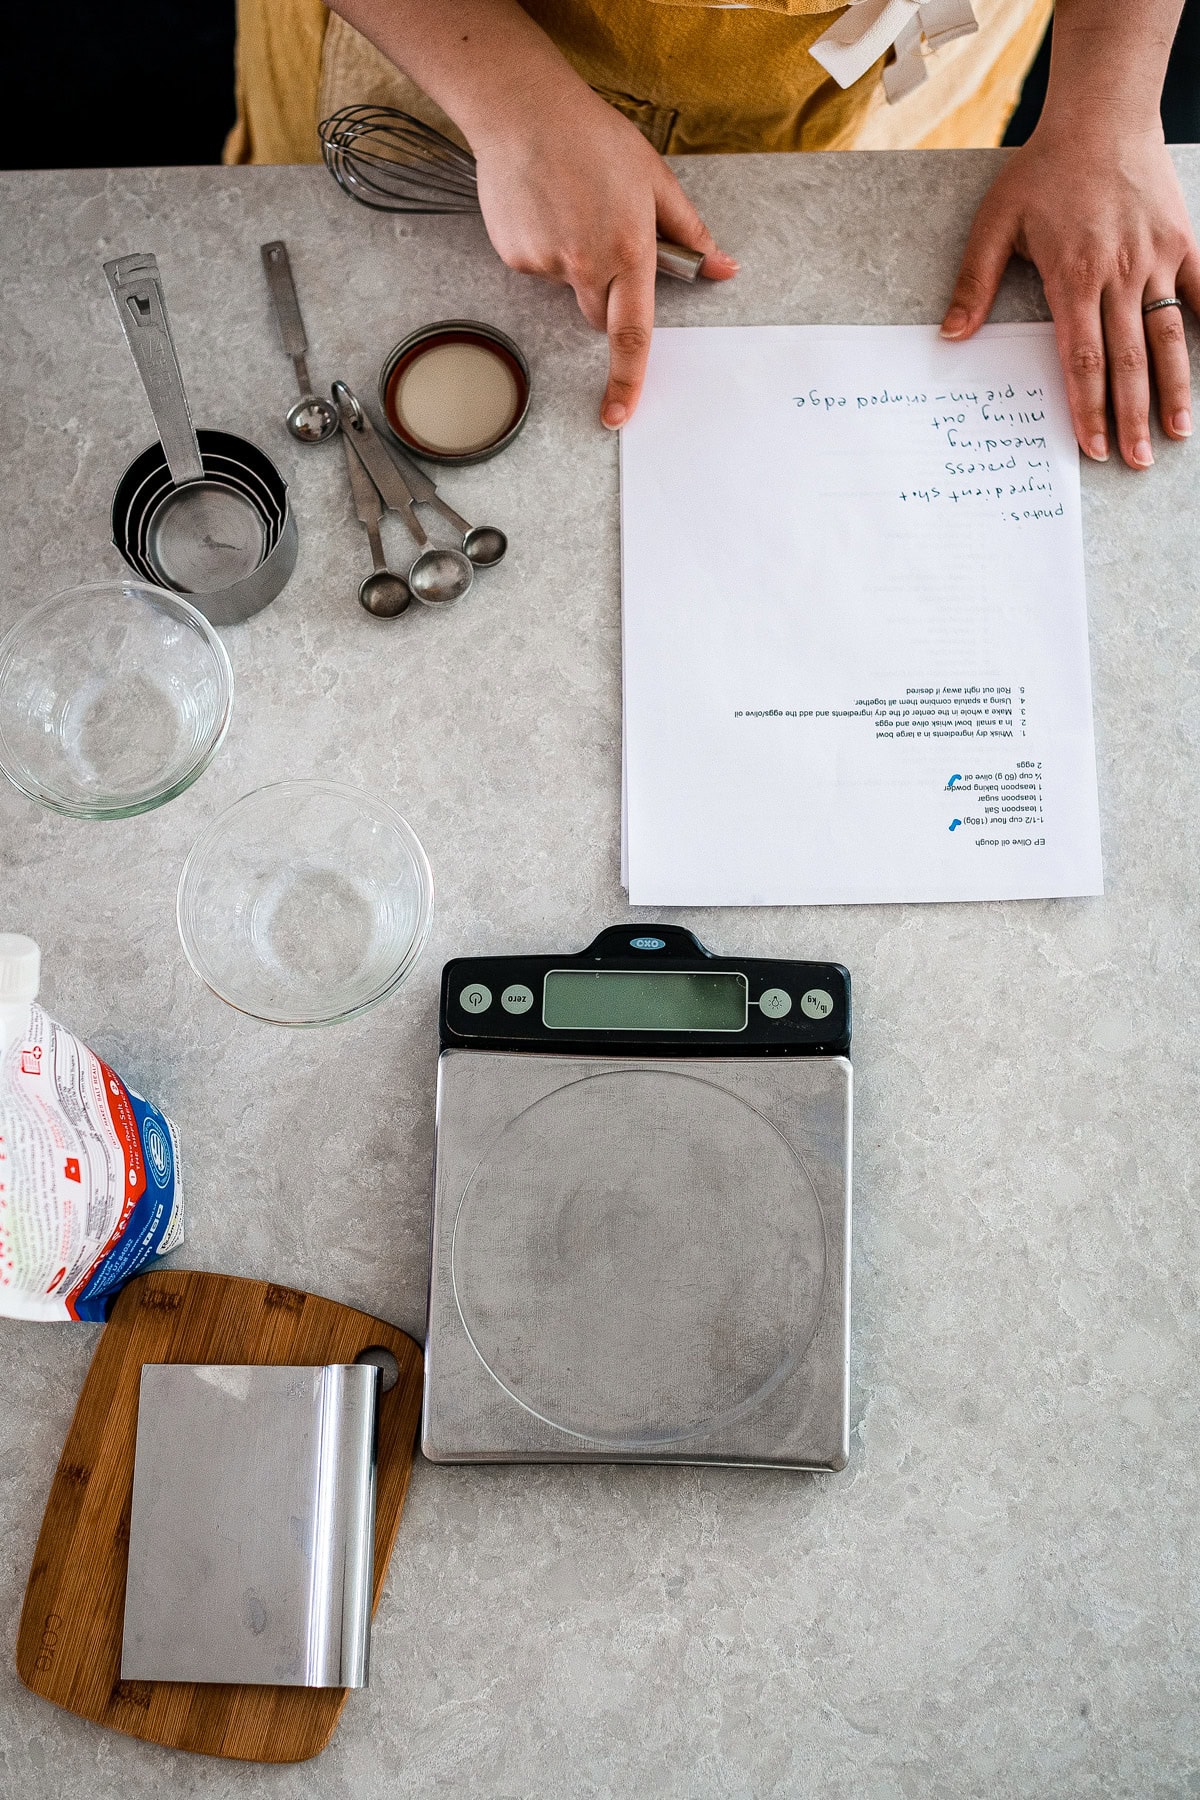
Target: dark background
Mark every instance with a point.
(102, 84)
(1181, 91)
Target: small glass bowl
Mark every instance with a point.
(305, 903)
(113, 699)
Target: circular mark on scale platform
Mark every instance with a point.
(639, 1257)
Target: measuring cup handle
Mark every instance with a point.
(138, 297)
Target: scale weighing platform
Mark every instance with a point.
(641, 1211)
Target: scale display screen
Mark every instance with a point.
(656, 1000)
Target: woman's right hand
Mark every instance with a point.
(572, 191)
(569, 188)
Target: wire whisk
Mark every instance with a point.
(386, 159)
(395, 163)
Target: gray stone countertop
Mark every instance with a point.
(998, 1597)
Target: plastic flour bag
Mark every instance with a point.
(89, 1172)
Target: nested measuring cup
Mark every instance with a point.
(205, 514)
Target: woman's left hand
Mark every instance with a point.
(1106, 226)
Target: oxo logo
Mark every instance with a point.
(49, 1643)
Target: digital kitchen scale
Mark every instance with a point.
(641, 1211)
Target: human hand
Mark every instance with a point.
(1106, 226)
(572, 191)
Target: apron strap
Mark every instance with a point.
(869, 28)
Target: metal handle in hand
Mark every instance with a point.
(138, 297)
(287, 309)
(389, 160)
(678, 260)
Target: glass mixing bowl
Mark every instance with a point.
(113, 699)
(305, 902)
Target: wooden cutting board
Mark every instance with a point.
(69, 1642)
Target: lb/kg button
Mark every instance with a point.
(816, 1004)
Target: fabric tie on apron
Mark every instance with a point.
(869, 28)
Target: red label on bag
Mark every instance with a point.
(126, 1127)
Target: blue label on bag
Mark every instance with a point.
(150, 1228)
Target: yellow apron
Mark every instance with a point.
(692, 76)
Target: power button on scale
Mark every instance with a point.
(476, 998)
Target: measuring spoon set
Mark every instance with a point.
(381, 476)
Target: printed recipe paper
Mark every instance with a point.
(855, 631)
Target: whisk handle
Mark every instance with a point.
(678, 260)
